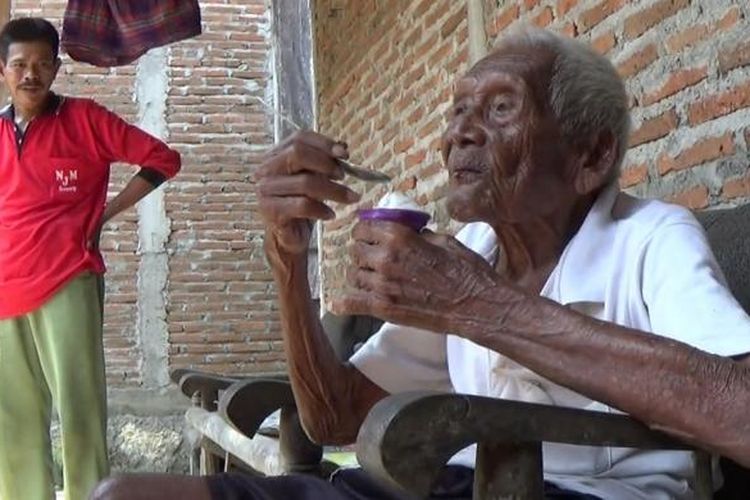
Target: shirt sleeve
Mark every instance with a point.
(400, 359)
(686, 293)
(119, 141)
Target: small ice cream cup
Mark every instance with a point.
(414, 219)
(397, 207)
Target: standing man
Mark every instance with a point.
(55, 157)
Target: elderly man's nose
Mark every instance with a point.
(469, 134)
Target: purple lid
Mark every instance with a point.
(412, 218)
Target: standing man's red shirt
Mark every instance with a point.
(53, 190)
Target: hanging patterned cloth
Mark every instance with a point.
(117, 32)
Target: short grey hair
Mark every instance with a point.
(585, 92)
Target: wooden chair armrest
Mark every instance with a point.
(247, 403)
(176, 374)
(202, 387)
(431, 427)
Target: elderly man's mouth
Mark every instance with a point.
(466, 174)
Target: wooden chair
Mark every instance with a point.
(224, 422)
(429, 428)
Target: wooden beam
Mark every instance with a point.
(292, 42)
(475, 10)
(4, 11)
(291, 30)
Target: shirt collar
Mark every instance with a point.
(52, 106)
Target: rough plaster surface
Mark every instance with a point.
(139, 444)
(153, 227)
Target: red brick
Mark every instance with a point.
(655, 128)
(700, 32)
(564, 6)
(633, 174)
(718, 105)
(415, 116)
(431, 170)
(688, 37)
(642, 21)
(441, 54)
(694, 198)
(544, 18)
(598, 13)
(430, 127)
(735, 188)
(734, 57)
(701, 152)
(732, 17)
(568, 29)
(450, 24)
(407, 184)
(505, 18)
(422, 8)
(431, 20)
(530, 4)
(604, 42)
(676, 82)
(415, 159)
(458, 63)
(638, 61)
(403, 145)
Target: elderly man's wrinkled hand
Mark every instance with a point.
(423, 279)
(294, 184)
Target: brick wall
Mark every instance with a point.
(221, 301)
(219, 297)
(383, 71)
(383, 85)
(686, 69)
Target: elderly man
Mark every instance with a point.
(560, 289)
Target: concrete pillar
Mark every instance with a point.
(153, 229)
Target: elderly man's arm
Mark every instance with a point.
(333, 398)
(293, 186)
(669, 385)
(433, 282)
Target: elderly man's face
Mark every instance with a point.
(502, 147)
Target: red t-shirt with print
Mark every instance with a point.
(53, 193)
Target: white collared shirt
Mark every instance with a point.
(642, 264)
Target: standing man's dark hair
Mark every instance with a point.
(28, 29)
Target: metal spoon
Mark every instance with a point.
(360, 173)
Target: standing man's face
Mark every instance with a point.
(29, 72)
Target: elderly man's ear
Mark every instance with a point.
(594, 163)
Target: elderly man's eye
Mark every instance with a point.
(501, 104)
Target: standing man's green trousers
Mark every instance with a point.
(54, 356)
